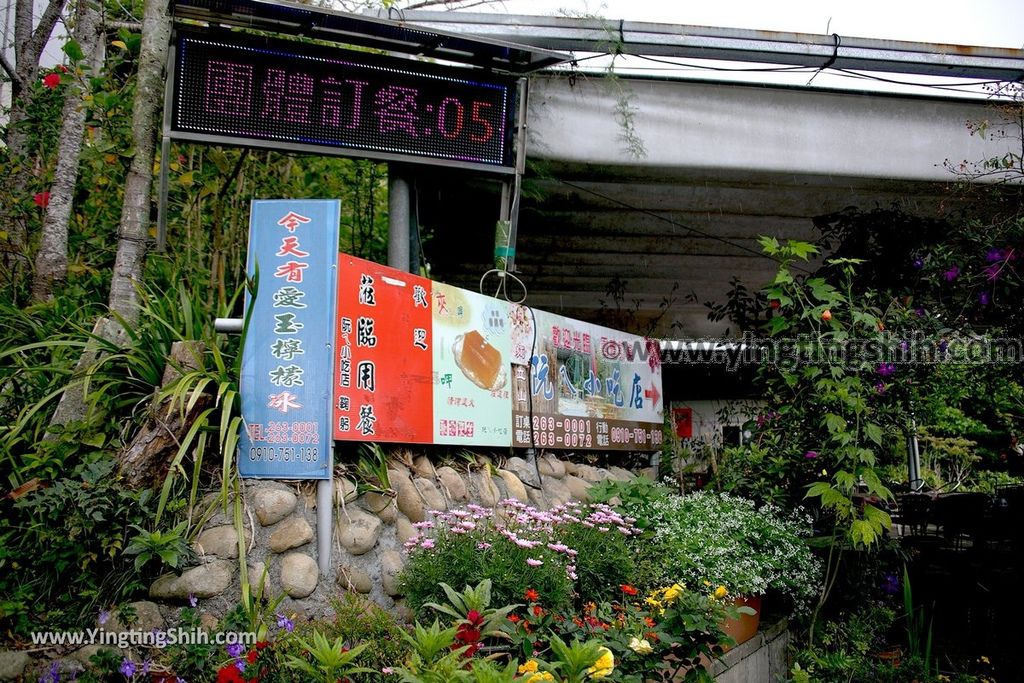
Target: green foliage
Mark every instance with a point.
(473, 599)
(67, 555)
(169, 547)
(725, 540)
(327, 661)
(517, 548)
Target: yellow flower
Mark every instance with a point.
(721, 592)
(984, 660)
(640, 646)
(603, 666)
(529, 667)
(542, 677)
(673, 592)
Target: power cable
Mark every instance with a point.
(677, 224)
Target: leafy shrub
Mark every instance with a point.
(69, 551)
(356, 622)
(569, 550)
(727, 540)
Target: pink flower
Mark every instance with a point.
(483, 546)
(51, 81)
(42, 199)
(534, 563)
(427, 543)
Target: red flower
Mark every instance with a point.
(42, 199)
(51, 81)
(513, 618)
(260, 644)
(538, 611)
(532, 595)
(628, 590)
(251, 657)
(229, 673)
(474, 617)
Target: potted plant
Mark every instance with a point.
(735, 550)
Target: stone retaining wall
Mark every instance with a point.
(370, 528)
(280, 544)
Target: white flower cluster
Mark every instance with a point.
(727, 540)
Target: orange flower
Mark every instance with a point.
(649, 622)
(513, 618)
(538, 611)
(628, 590)
(531, 595)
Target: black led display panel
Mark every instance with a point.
(248, 88)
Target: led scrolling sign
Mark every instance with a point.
(254, 91)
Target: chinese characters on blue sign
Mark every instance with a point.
(287, 359)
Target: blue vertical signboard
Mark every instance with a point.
(287, 358)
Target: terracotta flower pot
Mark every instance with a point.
(744, 627)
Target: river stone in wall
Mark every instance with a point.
(299, 575)
(453, 485)
(204, 581)
(273, 505)
(358, 530)
(291, 533)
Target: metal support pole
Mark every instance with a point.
(913, 458)
(398, 218)
(325, 517)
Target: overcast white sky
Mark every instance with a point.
(997, 23)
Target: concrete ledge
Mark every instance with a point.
(762, 658)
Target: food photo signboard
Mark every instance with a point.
(423, 362)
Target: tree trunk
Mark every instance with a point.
(133, 234)
(29, 42)
(145, 461)
(51, 264)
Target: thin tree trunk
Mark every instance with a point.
(133, 234)
(51, 265)
(29, 42)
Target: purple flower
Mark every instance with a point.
(51, 676)
(192, 602)
(145, 667)
(951, 273)
(918, 263)
(886, 369)
(992, 271)
(904, 346)
(811, 455)
(983, 298)
(285, 623)
(240, 665)
(919, 312)
(104, 617)
(993, 255)
(880, 388)
(234, 650)
(943, 345)
(890, 584)
(127, 668)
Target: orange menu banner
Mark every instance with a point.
(383, 370)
